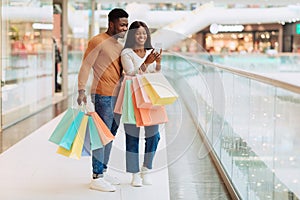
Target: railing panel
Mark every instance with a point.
(250, 122)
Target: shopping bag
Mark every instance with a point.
(67, 140)
(137, 114)
(127, 109)
(75, 150)
(94, 135)
(120, 98)
(141, 97)
(152, 116)
(149, 116)
(86, 149)
(63, 125)
(159, 89)
(104, 133)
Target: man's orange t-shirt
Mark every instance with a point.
(103, 55)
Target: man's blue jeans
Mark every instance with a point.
(152, 138)
(104, 106)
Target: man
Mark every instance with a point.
(103, 56)
(58, 60)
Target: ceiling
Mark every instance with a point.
(242, 2)
(236, 2)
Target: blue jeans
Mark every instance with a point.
(152, 138)
(104, 106)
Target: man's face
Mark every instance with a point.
(120, 27)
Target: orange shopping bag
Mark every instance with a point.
(105, 135)
(149, 116)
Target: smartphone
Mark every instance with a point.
(157, 47)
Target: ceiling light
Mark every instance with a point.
(42, 26)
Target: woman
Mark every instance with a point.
(138, 56)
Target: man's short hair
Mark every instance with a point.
(117, 13)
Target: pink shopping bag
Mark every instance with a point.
(141, 97)
(120, 98)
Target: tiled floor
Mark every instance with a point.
(188, 171)
(31, 170)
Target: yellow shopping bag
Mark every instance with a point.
(76, 148)
(159, 89)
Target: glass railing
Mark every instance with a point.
(284, 62)
(249, 121)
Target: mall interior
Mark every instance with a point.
(231, 134)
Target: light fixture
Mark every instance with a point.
(42, 26)
(215, 28)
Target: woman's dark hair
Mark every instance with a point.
(130, 39)
(117, 13)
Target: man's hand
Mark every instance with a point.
(81, 97)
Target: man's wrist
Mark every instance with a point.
(81, 91)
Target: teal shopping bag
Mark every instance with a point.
(94, 136)
(86, 149)
(127, 109)
(63, 125)
(67, 140)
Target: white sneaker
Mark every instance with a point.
(146, 176)
(111, 179)
(102, 185)
(136, 180)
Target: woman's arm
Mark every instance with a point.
(127, 63)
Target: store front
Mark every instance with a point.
(265, 38)
(26, 56)
(246, 42)
(250, 39)
(291, 38)
(31, 34)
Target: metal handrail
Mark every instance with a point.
(243, 73)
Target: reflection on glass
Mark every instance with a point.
(27, 59)
(258, 143)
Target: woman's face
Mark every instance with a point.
(140, 36)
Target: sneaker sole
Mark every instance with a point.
(147, 183)
(98, 189)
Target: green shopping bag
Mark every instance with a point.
(94, 136)
(67, 140)
(63, 125)
(128, 109)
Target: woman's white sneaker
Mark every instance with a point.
(102, 185)
(136, 180)
(146, 176)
